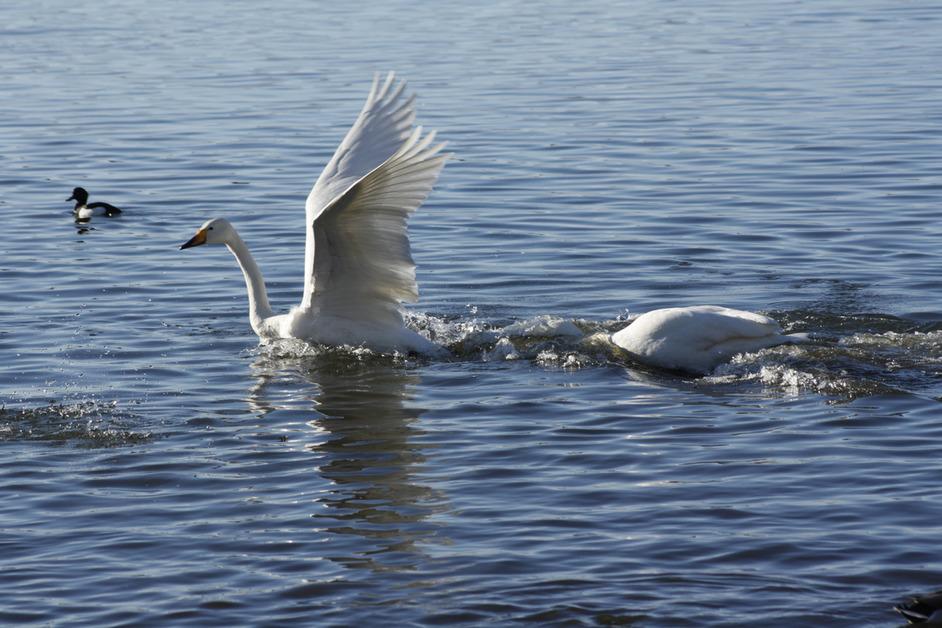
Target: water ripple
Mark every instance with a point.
(163, 468)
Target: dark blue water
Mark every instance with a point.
(159, 467)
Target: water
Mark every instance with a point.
(160, 467)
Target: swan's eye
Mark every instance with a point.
(210, 228)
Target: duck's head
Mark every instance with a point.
(215, 231)
(79, 195)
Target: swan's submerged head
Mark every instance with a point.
(215, 231)
(79, 195)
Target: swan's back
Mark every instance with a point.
(696, 339)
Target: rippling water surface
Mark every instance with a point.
(159, 466)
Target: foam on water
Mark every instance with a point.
(838, 362)
(849, 367)
(901, 348)
(471, 339)
(84, 424)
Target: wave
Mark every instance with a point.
(849, 356)
(83, 424)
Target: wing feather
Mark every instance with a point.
(383, 124)
(358, 260)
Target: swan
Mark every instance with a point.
(697, 339)
(358, 266)
(84, 210)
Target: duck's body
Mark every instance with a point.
(697, 339)
(922, 609)
(84, 210)
(358, 263)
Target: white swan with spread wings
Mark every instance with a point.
(358, 266)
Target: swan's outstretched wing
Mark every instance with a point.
(358, 264)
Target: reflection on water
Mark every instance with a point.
(363, 437)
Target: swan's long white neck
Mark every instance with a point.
(259, 308)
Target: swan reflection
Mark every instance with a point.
(364, 436)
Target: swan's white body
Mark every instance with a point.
(358, 266)
(696, 339)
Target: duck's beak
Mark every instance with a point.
(72, 198)
(199, 238)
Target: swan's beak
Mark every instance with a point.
(199, 238)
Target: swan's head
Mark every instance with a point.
(215, 231)
(80, 195)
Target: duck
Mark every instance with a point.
(922, 609)
(84, 210)
(358, 266)
(697, 339)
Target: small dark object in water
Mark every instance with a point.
(84, 210)
(922, 609)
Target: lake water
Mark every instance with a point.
(160, 467)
